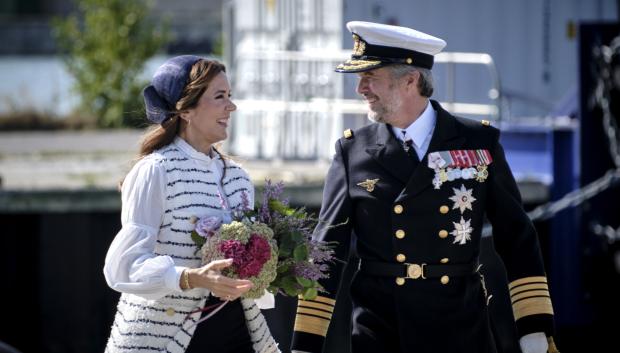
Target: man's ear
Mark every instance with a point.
(411, 80)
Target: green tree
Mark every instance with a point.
(106, 44)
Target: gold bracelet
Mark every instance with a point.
(186, 279)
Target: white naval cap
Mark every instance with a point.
(376, 45)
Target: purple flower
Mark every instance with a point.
(207, 226)
(245, 202)
(311, 271)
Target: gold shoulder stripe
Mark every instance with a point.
(314, 313)
(527, 280)
(529, 287)
(311, 324)
(532, 306)
(529, 294)
(320, 306)
(321, 299)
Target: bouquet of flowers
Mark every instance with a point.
(271, 246)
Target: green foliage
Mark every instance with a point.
(107, 43)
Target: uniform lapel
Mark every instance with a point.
(389, 153)
(445, 137)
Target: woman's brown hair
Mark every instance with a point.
(160, 135)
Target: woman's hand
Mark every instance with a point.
(210, 277)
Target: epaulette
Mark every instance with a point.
(485, 122)
(348, 134)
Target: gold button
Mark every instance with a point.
(444, 209)
(444, 260)
(400, 234)
(443, 233)
(445, 279)
(409, 61)
(401, 258)
(170, 311)
(398, 209)
(400, 281)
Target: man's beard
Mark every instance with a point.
(384, 113)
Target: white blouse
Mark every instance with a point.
(131, 265)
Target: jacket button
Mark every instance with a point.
(444, 260)
(170, 311)
(400, 281)
(400, 234)
(445, 279)
(398, 209)
(443, 233)
(401, 258)
(444, 209)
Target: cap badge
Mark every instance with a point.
(359, 46)
(368, 184)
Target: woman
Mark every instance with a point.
(179, 177)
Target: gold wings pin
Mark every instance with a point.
(368, 184)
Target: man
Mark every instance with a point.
(414, 187)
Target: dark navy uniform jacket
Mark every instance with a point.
(405, 219)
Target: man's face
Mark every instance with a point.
(382, 93)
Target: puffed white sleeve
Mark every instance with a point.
(131, 265)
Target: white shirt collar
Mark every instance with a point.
(190, 151)
(419, 130)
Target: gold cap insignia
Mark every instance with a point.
(359, 46)
(348, 133)
(368, 184)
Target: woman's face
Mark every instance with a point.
(207, 122)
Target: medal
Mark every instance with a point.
(462, 198)
(462, 231)
(482, 173)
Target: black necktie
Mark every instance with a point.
(412, 153)
(408, 147)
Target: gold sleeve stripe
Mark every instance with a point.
(532, 306)
(529, 294)
(319, 306)
(314, 312)
(527, 280)
(320, 299)
(526, 287)
(311, 324)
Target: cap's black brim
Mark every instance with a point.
(354, 65)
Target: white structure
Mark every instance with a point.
(281, 55)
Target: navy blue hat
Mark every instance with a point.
(166, 87)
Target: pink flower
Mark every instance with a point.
(207, 226)
(233, 249)
(248, 259)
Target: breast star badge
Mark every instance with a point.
(368, 184)
(462, 231)
(462, 198)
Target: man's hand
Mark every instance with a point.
(534, 343)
